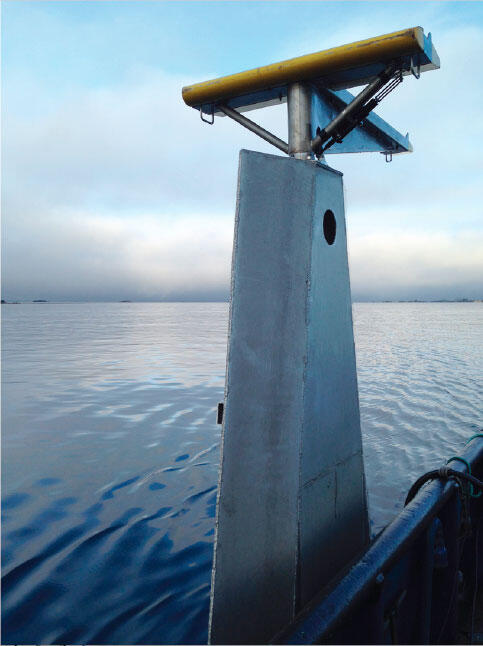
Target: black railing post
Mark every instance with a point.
(446, 579)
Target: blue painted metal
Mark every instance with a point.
(429, 52)
(373, 135)
(402, 590)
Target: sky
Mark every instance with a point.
(113, 189)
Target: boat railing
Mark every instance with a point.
(418, 581)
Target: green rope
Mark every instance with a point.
(473, 437)
(457, 457)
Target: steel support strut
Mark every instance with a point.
(254, 127)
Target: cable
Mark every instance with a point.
(475, 590)
(443, 473)
(453, 592)
(397, 78)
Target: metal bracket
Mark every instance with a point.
(219, 413)
(388, 155)
(415, 69)
(212, 115)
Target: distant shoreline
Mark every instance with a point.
(134, 302)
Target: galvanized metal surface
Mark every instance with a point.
(299, 98)
(255, 128)
(415, 582)
(292, 504)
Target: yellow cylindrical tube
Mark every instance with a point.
(308, 67)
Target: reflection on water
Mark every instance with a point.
(111, 453)
(419, 371)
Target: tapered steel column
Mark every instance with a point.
(291, 510)
(299, 98)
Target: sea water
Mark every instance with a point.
(111, 452)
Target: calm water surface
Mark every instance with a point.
(111, 451)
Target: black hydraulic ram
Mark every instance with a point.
(355, 111)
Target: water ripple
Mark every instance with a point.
(111, 453)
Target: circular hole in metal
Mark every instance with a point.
(330, 226)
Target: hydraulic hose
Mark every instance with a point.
(444, 473)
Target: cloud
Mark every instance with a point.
(401, 264)
(145, 257)
(152, 257)
(134, 145)
(121, 191)
(444, 169)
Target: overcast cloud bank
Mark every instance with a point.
(120, 192)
